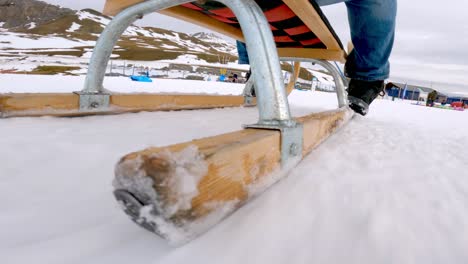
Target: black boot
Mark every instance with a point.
(247, 77)
(362, 93)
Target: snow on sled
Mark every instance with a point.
(180, 191)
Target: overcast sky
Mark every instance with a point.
(431, 44)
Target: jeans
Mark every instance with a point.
(242, 52)
(372, 25)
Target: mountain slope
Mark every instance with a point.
(84, 27)
(24, 13)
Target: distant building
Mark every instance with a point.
(457, 98)
(422, 95)
(413, 92)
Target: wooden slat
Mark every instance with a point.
(67, 105)
(292, 82)
(307, 13)
(203, 20)
(236, 163)
(318, 127)
(113, 7)
(324, 54)
(156, 102)
(38, 102)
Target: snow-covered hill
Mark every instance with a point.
(25, 13)
(85, 25)
(74, 34)
(63, 44)
(216, 42)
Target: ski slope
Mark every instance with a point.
(391, 187)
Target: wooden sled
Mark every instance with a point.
(311, 37)
(180, 191)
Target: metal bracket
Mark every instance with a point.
(94, 101)
(249, 100)
(248, 97)
(291, 140)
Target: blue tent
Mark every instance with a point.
(141, 78)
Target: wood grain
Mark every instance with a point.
(67, 104)
(236, 161)
(307, 13)
(292, 82)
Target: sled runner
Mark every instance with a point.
(180, 191)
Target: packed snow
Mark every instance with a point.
(61, 83)
(24, 41)
(74, 27)
(86, 15)
(190, 59)
(31, 25)
(390, 187)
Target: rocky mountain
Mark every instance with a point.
(26, 13)
(39, 38)
(39, 21)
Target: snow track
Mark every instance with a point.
(388, 188)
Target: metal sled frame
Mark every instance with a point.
(95, 100)
(225, 170)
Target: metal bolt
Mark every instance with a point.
(248, 100)
(294, 149)
(94, 105)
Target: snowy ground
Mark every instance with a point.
(388, 188)
(18, 83)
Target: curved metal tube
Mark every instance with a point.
(271, 98)
(339, 81)
(111, 34)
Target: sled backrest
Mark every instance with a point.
(299, 27)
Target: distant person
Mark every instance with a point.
(234, 78)
(372, 24)
(431, 98)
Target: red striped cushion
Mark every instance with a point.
(287, 28)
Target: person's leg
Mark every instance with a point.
(244, 59)
(242, 52)
(372, 25)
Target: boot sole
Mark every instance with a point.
(358, 105)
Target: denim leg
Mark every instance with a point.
(372, 24)
(242, 52)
